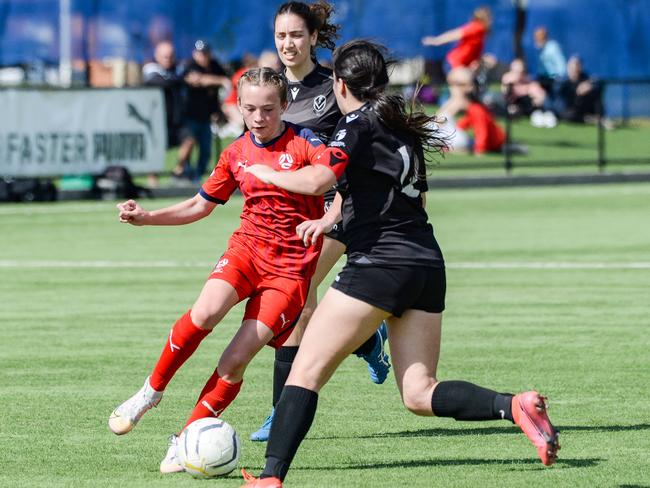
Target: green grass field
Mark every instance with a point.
(565, 149)
(549, 288)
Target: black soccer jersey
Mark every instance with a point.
(383, 218)
(312, 103)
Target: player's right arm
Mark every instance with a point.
(186, 212)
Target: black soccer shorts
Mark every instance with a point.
(394, 288)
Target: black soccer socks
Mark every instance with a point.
(465, 401)
(367, 346)
(294, 415)
(284, 357)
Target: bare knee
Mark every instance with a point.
(309, 374)
(207, 317)
(417, 397)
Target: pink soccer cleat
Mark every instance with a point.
(253, 482)
(529, 413)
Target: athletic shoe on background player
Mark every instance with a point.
(171, 463)
(377, 359)
(124, 417)
(529, 413)
(262, 435)
(378, 367)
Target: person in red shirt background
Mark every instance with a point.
(487, 134)
(470, 37)
(266, 262)
(230, 107)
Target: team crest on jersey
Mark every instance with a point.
(351, 117)
(285, 161)
(294, 92)
(319, 104)
(340, 135)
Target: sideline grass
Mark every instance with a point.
(77, 340)
(565, 149)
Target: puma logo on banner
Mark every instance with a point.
(135, 114)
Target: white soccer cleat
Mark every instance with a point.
(171, 463)
(124, 417)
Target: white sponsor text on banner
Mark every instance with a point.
(65, 132)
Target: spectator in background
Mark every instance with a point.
(579, 95)
(269, 59)
(488, 135)
(551, 63)
(235, 125)
(470, 37)
(523, 95)
(490, 71)
(164, 73)
(551, 70)
(204, 77)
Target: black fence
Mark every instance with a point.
(620, 129)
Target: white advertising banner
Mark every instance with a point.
(65, 132)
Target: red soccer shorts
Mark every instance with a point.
(274, 300)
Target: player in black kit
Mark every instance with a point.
(395, 270)
(300, 28)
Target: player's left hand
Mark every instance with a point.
(260, 171)
(310, 230)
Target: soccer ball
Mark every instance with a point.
(209, 447)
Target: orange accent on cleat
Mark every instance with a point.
(247, 476)
(253, 482)
(529, 413)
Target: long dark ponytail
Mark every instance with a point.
(363, 66)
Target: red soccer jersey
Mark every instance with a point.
(270, 214)
(470, 46)
(488, 136)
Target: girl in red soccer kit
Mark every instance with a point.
(265, 262)
(395, 270)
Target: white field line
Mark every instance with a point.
(196, 264)
(548, 265)
(62, 209)
(102, 264)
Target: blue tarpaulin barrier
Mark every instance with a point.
(612, 36)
